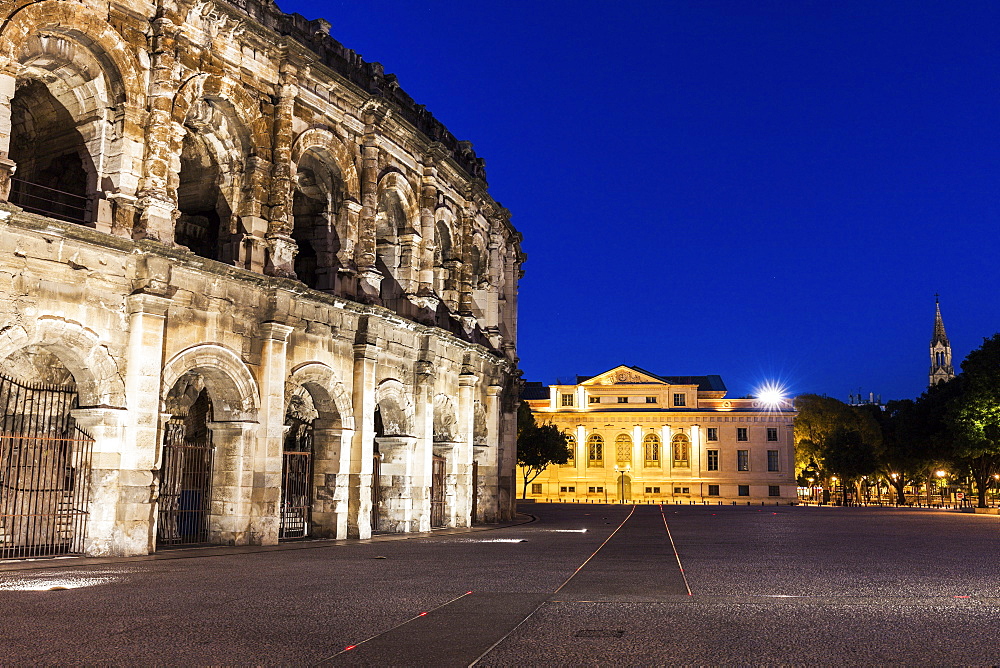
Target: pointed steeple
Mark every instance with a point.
(941, 367)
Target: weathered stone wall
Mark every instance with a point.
(216, 206)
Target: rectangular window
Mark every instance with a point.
(741, 434)
(677, 490)
(772, 460)
(649, 490)
(567, 400)
(744, 490)
(592, 490)
(713, 460)
(536, 488)
(656, 490)
(685, 490)
(774, 490)
(679, 400)
(772, 434)
(600, 489)
(650, 400)
(595, 400)
(713, 433)
(572, 489)
(742, 460)
(623, 400)
(713, 490)
(563, 489)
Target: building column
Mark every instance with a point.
(143, 378)
(487, 459)
(230, 513)
(696, 457)
(279, 230)
(267, 459)
(369, 278)
(463, 451)
(423, 418)
(7, 87)
(119, 503)
(331, 480)
(363, 446)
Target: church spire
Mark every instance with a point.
(941, 367)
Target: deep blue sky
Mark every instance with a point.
(757, 189)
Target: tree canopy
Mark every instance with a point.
(538, 446)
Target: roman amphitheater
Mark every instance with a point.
(250, 291)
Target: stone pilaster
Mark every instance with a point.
(266, 494)
(488, 460)
(230, 514)
(7, 166)
(463, 452)
(279, 233)
(331, 480)
(363, 447)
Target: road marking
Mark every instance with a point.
(580, 567)
(674, 546)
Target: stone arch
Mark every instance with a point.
(445, 420)
(325, 206)
(446, 256)
(233, 390)
(394, 184)
(395, 407)
(328, 394)
(479, 261)
(98, 379)
(211, 149)
(74, 72)
(331, 145)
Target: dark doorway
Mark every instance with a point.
(296, 476)
(186, 477)
(437, 492)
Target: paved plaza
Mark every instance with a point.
(577, 585)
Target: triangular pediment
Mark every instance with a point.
(624, 375)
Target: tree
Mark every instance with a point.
(819, 418)
(537, 446)
(975, 415)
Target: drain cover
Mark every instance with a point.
(599, 633)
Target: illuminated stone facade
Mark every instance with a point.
(227, 228)
(640, 437)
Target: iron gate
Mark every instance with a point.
(44, 471)
(185, 487)
(376, 490)
(296, 481)
(437, 492)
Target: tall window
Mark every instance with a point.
(623, 400)
(567, 400)
(681, 448)
(742, 460)
(772, 433)
(772, 460)
(679, 400)
(571, 446)
(713, 433)
(651, 446)
(741, 434)
(713, 490)
(623, 449)
(595, 450)
(713, 460)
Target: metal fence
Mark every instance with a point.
(44, 471)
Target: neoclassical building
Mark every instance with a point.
(249, 289)
(640, 437)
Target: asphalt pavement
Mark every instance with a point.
(576, 585)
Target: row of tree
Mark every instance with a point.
(954, 425)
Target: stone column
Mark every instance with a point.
(369, 278)
(396, 485)
(488, 459)
(463, 451)
(279, 233)
(696, 451)
(143, 379)
(229, 516)
(265, 497)
(331, 479)
(119, 501)
(156, 220)
(362, 449)
(423, 398)
(7, 166)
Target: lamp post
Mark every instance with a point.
(895, 477)
(810, 474)
(941, 483)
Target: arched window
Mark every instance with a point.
(623, 449)
(571, 446)
(595, 450)
(651, 447)
(681, 447)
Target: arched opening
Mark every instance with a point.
(317, 210)
(377, 471)
(55, 172)
(203, 224)
(651, 447)
(623, 450)
(391, 224)
(393, 509)
(44, 458)
(682, 449)
(186, 467)
(297, 468)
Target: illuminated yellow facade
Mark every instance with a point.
(640, 437)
